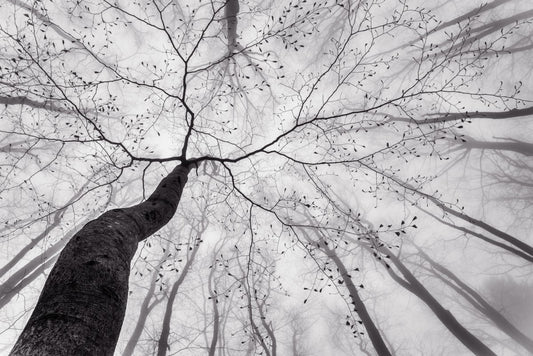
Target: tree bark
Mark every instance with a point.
(82, 304)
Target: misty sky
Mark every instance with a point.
(326, 136)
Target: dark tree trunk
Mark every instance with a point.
(82, 304)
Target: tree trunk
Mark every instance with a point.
(146, 308)
(82, 304)
(501, 234)
(27, 273)
(13, 289)
(480, 303)
(445, 316)
(216, 315)
(162, 344)
(373, 332)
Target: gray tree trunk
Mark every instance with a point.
(444, 315)
(373, 332)
(162, 344)
(82, 304)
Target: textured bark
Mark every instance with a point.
(82, 304)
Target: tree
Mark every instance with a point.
(478, 302)
(82, 304)
(308, 134)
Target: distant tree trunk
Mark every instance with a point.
(373, 332)
(31, 270)
(479, 303)
(256, 332)
(231, 10)
(162, 345)
(445, 316)
(294, 343)
(82, 304)
(23, 251)
(12, 287)
(501, 234)
(56, 221)
(511, 249)
(146, 308)
(267, 326)
(360, 308)
(524, 148)
(216, 314)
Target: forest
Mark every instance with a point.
(242, 177)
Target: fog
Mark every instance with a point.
(342, 177)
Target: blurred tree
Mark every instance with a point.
(477, 301)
